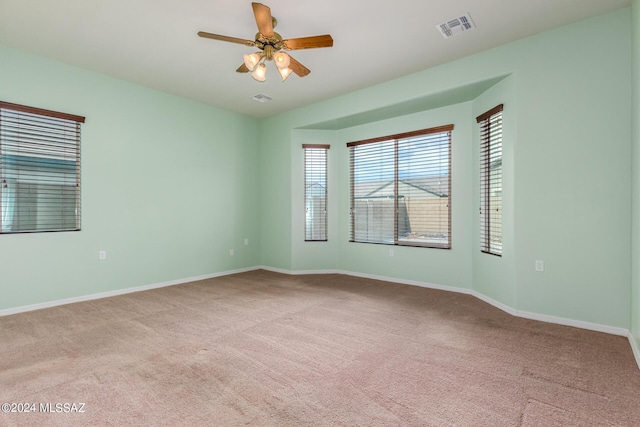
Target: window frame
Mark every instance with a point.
(396, 139)
(46, 139)
(491, 141)
(316, 170)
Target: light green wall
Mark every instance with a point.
(168, 187)
(635, 260)
(567, 100)
(275, 193)
(495, 277)
(572, 203)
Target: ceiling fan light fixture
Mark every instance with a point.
(284, 72)
(281, 59)
(271, 46)
(251, 60)
(260, 72)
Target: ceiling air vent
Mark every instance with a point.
(261, 97)
(455, 26)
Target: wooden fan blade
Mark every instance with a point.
(297, 67)
(226, 38)
(308, 42)
(263, 19)
(242, 69)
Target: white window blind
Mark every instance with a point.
(315, 192)
(39, 169)
(401, 189)
(490, 124)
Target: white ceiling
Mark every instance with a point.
(154, 42)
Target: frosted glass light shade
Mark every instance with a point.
(251, 60)
(260, 73)
(281, 59)
(284, 72)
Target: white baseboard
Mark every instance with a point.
(297, 272)
(48, 304)
(574, 323)
(496, 304)
(635, 347)
(275, 269)
(408, 282)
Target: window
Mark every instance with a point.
(401, 189)
(39, 170)
(315, 192)
(491, 180)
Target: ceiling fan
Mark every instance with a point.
(272, 47)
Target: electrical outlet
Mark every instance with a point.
(102, 255)
(246, 242)
(539, 265)
(231, 252)
(390, 252)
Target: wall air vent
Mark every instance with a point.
(455, 26)
(261, 97)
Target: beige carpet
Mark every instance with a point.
(265, 349)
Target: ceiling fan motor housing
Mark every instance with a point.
(269, 45)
